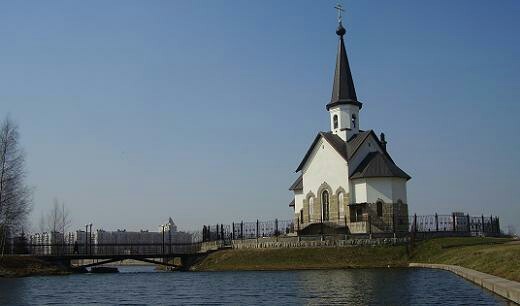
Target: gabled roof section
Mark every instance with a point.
(334, 140)
(377, 164)
(355, 142)
(298, 184)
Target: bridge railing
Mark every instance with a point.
(113, 249)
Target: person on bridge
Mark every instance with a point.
(76, 248)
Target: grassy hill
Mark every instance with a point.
(304, 258)
(497, 256)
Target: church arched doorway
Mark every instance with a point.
(325, 205)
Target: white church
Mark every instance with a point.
(347, 180)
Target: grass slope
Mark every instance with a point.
(303, 258)
(18, 266)
(496, 256)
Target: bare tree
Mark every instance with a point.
(65, 220)
(15, 195)
(58, 221)
(54, 217)
(42, 224)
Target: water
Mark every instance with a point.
(142, 285)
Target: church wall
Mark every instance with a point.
(325, 165)
(370, 190)
(399, 190)
(298, 201)
(379, 189)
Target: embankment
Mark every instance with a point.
(303, 258)
(496, 256)
(19, 266)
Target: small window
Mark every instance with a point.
(341, 205)
(354, 120)
(379, 209)
(335, 121)
(311, 209)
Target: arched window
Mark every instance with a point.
(335, 121)
(325, 205)
(341, 205)
(311, 209)
(354, 120)
(379, 208)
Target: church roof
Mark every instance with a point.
(343, 90)
(355, 142)
(345, 149)
(298, 184)
(377, 164)
(292, 203)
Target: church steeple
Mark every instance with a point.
(343, 90)
(343, 106)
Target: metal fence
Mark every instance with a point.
(428, 225)
(247, 230)
(455, 223)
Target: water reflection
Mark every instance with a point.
(353, 287)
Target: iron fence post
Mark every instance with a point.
(453, 221)
(346, 227)
(483, 224)
(491, 227)
(436, 222)
(393, 220)
(233, 231)
(415, 223)
(257, 229)
(276, 227)
(498, 225)
(370, 226)
(242, 230)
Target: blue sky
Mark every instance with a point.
(133, 111)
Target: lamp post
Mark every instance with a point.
(90, 239)
(162, 246)
(86, 241)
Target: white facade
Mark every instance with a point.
(317, 170)
(372, 190)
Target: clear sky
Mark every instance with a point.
(134, 111)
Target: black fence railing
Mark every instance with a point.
(247, 230)
(107, 249)
(455, 223)
(428, 225)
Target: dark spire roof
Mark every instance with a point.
(343, 91)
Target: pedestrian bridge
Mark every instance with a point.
(99, 254)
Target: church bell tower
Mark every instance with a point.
(344, 106)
